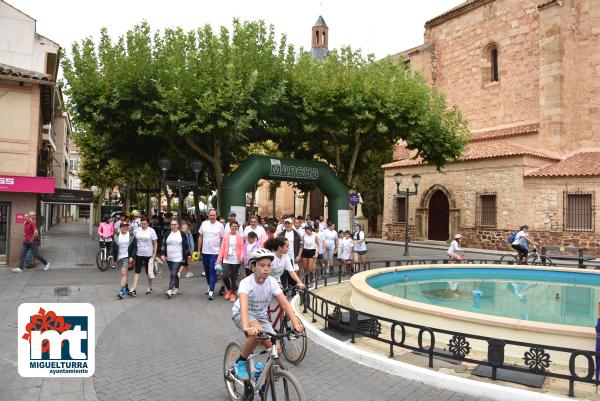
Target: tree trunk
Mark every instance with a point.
(214, 160)
(196, 206)
(169, 197)
(252, 200)
(353, 158)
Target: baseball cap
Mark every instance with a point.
(288, 220)
(232, 213)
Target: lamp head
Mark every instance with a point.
(416, 178)
(398, 178)
(196, 166)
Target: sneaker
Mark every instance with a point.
(169, 293)
(176, 291)
(189, 274)
(232, 298)
(227, 294)
(114, 267)
(47, 266)
(241, 370)
(203, 274)
(179, 275)
(222, 291)
(132, 293)
(122, 293)
(17, 270)
(211, 297)
(149, 291)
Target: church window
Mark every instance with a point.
(491, 64)
(494, 62)
(486, 210)
(401, 209)
(578, 211)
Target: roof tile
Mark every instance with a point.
(504, 132)
(580, 164)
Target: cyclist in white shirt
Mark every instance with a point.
(250, 309)
(455, 248)
(255, 227)
(209, 244)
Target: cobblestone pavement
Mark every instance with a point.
(154, 348)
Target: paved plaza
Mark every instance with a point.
(153, 348)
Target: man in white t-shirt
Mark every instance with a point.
(298, 227)
(295, 242)
(209, 245)
(259, 230)
(249, 313)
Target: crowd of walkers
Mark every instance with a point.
(137, 242)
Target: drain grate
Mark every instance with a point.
(83, 264)
(62, 291)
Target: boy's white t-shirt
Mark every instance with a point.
(259, 296)
(123, 244)
(279, 265)
(144, 239)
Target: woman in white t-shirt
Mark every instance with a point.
(454, 249)
(345, 253)
(147, 245)
(230, 258)
(282, 268)
(360, 247)
(175, 249)
(310, 245)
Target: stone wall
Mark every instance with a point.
(396, 232)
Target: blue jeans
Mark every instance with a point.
(174, 268)
(208, 261)
(33, 248)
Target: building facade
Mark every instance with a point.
(34, 134)
(526, 76)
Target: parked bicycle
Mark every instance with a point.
(270, 381)
(293, 346)
(533, 259)
(102, 257)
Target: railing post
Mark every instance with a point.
(581, 258)
(353, 323)
(339, 273)
(305, 295)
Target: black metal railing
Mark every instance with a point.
(536, 359)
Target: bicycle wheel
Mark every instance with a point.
(509, 259)
(235, 390)
(101, 262)
(546, 261)
(294, 346)
(283, 386)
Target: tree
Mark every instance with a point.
(348, 105)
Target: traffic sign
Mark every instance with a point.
(354, 199)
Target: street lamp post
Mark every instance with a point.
(165, 164)
(416, 179)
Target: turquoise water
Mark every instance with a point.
(553, 297)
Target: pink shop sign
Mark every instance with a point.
(13, 183)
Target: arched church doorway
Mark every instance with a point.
(439, 217)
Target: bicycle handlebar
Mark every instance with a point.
(263, 335)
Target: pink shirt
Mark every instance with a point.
(106, 230)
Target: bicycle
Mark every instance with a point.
(533, 259)
(271, 383)
(102, 256)
(294, 346)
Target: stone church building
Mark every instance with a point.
(526, 76)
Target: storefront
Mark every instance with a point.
(67, 197)
(18, 195)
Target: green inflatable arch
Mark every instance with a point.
(241, 180)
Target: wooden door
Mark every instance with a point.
(439, 217)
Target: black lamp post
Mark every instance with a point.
(416, 179)
(165, 164)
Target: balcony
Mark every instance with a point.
(49, 136)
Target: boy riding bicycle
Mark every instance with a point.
(255, 293)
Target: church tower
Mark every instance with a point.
(320, 39)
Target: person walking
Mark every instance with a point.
(282, 268)
(331, 244)
(209, 245)
(231, 256)
(309, 254)
(147, 246)
(175, 250)
(186, 265)
(124, 250)
(360, 247)
(30, 243)
(255, 227)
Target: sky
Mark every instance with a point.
(381, 27)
